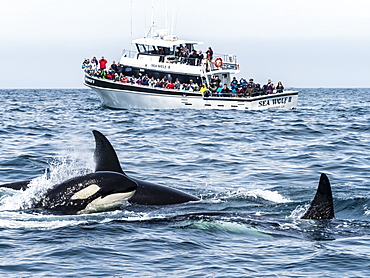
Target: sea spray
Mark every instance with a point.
(60, 169)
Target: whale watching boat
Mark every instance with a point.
(168, 73)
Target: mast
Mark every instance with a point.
(166, 15)
(152, 20)
(131, 29)
(173, 19)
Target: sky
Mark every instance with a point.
(304, 44)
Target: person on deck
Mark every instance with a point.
(94, 63)
(279, 87)
(145, 80)
(234, 84)
(200, 58)
(152, 82)
(203, 89)
(257, 89)
(177, 84)
(209, 56)
(192, 86)
(250, 87)
(225, 91)
(103, 63)
(192, 57)
(219, 90)
(119, 69)
(170, 85)
(114, 67)
(269, 87)
(161, 54)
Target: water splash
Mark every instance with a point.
(61, 168)
(269, 195)
(265, 194)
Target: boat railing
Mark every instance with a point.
(188, 89)
(229, 62)
(129, 53)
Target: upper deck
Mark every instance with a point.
(182, 55)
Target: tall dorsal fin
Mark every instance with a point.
(105, 156)
(322, 205)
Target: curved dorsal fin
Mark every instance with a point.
(105, 156)
(322, 205)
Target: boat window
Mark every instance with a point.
(190, 46)
(153, 49)
(140, 48)
(167, 50)
(143, 48)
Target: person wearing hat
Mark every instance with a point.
(269, 87)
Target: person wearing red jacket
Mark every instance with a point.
(103, 63)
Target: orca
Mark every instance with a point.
(109, 187)
(109, 183)
(322, 206)
(94, 192)
(147, 193)
(20, 185)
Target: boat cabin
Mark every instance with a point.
(166, 49)
(163, 55)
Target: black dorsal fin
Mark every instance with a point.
(322, 205)
(105, 156)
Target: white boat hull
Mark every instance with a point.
(118, 96)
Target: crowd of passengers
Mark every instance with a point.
(186, 56)
(237, 88)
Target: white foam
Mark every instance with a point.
(17, 220)
(269, 195)
(60, 169)
(265, 194)
(298, 212)
(366, 210)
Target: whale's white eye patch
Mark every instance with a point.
(86, 192)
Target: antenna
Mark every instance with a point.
(151, 23)
(166, 15)
(173, 19)
(131, 29)
(152, 20)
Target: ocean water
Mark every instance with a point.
(262, 167)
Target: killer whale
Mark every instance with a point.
(143, 192)
(322, 206)
(109, 187)
(147, 193)
(89, 193)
